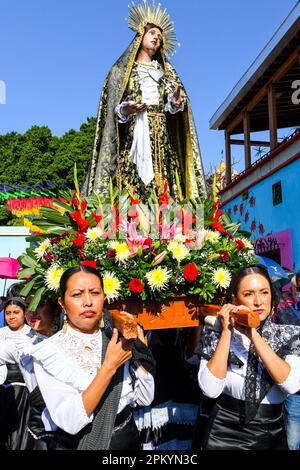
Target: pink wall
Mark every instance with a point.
(284, 240)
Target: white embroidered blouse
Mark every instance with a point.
(15, 345)
(233, 384)
(65, 365)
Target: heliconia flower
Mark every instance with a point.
(248, 244)
(179, 250)
(239, 244)
(159, 258)
(212, 237)
(52, 277)
(41, 249)
(94, 234)
(111, 286)
(221, 277)
(158, 278)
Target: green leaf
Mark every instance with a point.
(36, 299)
(27, 272)
(62, 205)
(27, 261)
(27, 287)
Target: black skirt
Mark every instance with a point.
(14, 410)
(125, 435)
(220, 426)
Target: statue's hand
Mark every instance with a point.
(178, 97)
(134, 108)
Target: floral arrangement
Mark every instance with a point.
(149, 251)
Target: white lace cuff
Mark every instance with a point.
(119, 113)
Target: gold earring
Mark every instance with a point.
(65, 325)
(101, 323)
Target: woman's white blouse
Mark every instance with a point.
(65, 365)
(15, 345)
(234, 382)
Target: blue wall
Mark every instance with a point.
(277, 218)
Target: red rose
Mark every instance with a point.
(190, 272)
(239, 244)
(148, 241)
(136, 286)
(224, 256)
(90, 263)
(79, 241)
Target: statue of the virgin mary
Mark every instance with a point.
(145, 131)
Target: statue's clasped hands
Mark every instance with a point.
(134, 107)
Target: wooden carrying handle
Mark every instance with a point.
(242, 317)
(125, 324)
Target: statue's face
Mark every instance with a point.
(152, 41)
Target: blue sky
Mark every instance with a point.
(55, 55)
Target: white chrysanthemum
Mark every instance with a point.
(221, 277)
(178, 250)
(52, 277)
(212, 237)
(122, 250)
(180, 238)
(111, 286)
(94, 234)
(158, 278)
(41, 249)
(248, 244)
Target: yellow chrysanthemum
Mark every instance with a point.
(41, 249)
(178, 250)
(94, 234)
(158, 278)
(212, 237)
(53, 276)
(111, 286)
(122, 250)
(221, 277)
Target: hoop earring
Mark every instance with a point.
(65, 325)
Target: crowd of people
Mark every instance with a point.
(78, 384)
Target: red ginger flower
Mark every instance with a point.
(136, 286)
(239, 244)
(190, 272)
(79, 241)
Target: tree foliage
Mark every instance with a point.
(37, 156)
